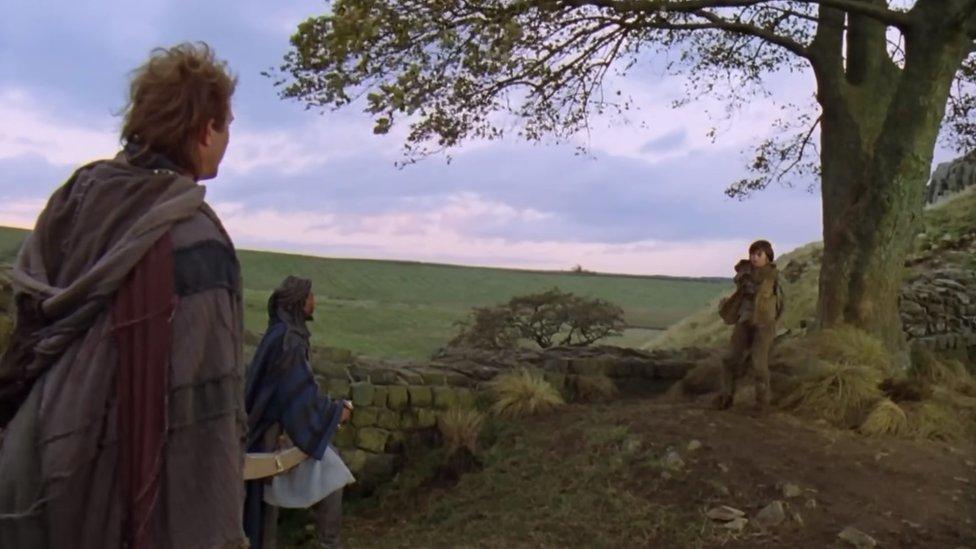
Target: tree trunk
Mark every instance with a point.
(878, 135)
(869, 221)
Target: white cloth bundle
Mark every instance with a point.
(309, 482)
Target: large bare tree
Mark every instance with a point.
(885, 73)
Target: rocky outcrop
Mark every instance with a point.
(950, 178)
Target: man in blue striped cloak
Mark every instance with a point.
(282, 398)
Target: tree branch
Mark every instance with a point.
(894, 18)
(752, 30)
(898, 19)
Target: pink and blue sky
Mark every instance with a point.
(647, 200)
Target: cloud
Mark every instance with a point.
(20, 213)
(434, 236)
(649, 199)
(667, 142)
(304, 148)
(30, 129)
(33, 128)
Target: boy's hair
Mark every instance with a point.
(763, 246)
(172, 97)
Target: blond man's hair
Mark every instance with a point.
(173, 97)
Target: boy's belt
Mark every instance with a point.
(269, 464)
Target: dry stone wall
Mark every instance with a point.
(938, 309)
(399, 400)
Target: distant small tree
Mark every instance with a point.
(490, 328)
(543, 318)
(591, 320)
(540, 317)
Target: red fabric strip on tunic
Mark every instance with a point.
(142, 313)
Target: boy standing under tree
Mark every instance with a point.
(753, 309)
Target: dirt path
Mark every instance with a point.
(902, 493)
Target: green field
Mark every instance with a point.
(405, 309)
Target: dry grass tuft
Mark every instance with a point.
(931, 368)
(460, 428)
(886, 418)
(523, 393)
(849, 345)
(935, 420)
(593, 388)
(837, 393)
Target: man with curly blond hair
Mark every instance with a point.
(121, 395)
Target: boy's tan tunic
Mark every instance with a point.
(753, 333)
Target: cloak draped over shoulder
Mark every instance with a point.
(121, 393)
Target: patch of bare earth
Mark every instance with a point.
(902, 493)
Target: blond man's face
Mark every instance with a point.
(213, 145)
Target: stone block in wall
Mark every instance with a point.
(397, 397)
(372, 439)
(588, 366)
(383, 377)
(359, 372)
(328, 369)
(466, 398)
(365, 416)
(456, 379)
(354, 458)
(345, 437)
(380, 467)
(418, 418)
(381, 396)
(408, 419)
(642, 385)
(388, 419)
(337, 388)
(362, 393)
(419, 395)
(426, 418)
(409, 378)
(556, 379)
(670, 369)
(396, 442)
(621, 368)
(432, 377)
(332, 354)
(444, 397)
(645, 369)
(916, 331)
(556, 364)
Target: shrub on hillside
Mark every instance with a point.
(547, 318)
(490, 328)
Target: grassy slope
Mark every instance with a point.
(704, 327)
(387, 308)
